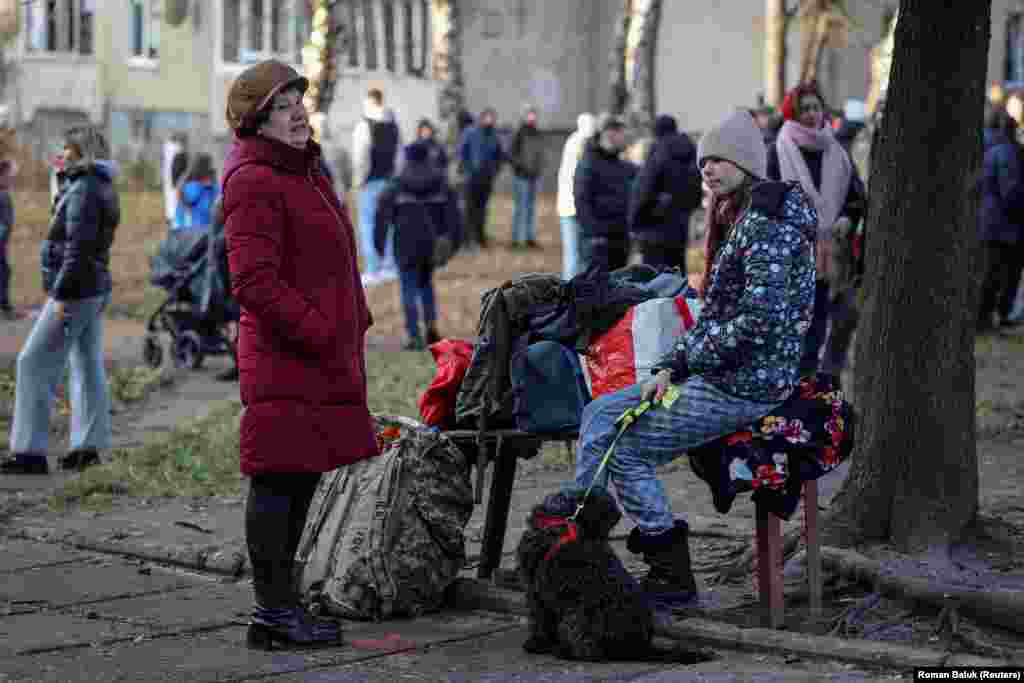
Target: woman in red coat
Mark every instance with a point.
(292, 258)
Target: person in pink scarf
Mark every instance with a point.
(807, 151)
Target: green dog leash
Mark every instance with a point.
(625, 420)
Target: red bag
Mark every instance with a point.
(437, 404)
(625, 353)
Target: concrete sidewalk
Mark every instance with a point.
(78, 616)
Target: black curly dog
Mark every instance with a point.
(583, 603)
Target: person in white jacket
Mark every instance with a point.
(173, 166)
(586, 127)
(376, 151)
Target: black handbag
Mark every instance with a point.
(51, 258)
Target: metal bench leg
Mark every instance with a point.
(813, 544)
(496, 519)
(769, 565)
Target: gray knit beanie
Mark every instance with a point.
(736, 139)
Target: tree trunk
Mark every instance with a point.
(619, 92)
(914, 477)
(447, 68)
(774, 52)
(644, 26)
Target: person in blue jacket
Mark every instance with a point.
(1000, 223)
(196, 196)
(481, 155)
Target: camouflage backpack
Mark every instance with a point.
(384, 536)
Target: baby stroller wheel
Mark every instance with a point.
(152, 352)
(188, 350)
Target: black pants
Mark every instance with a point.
(478, 194)
(5, 270)
(1002, 275)
(608, 253)
(827, 344)
(662, 254)
(275, 515)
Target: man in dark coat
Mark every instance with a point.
(436, 154)
(601, 190)
(527, 159)
(424, 213)
(666, 191)
(482, 155)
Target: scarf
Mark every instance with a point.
(836, 169)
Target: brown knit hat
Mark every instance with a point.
(255, 87)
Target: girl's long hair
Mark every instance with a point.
(721, 215)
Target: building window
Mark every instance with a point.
(59, 26)
(85, 18)
(1015, 47)
(146, 19)
(254, 30)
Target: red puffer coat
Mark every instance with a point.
(292, 257)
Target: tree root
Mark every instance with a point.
(1002, 608)
(744, 565)
(853, 616)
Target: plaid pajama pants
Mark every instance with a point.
(702, 413)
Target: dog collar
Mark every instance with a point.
(568, 536)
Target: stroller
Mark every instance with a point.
(192, 268)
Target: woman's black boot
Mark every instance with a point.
(670, 579)
(274, 518)
(290, 628)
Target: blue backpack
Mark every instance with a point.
(548, 388)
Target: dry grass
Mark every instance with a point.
(200, 458)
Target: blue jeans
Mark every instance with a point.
(416, 284)
(52, 345)
(525, 214)
(570, 246)
(372, 261)
(702, 412)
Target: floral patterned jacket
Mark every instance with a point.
(758, 303)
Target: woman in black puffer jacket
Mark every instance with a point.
(76, 276)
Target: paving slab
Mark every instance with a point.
(89, 581)
(48, 631)
(200, 607)
(220, 655)
(18, 555)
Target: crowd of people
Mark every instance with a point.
(782, 200)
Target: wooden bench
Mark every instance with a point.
(503, 448)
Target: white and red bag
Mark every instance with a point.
(625, 353)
